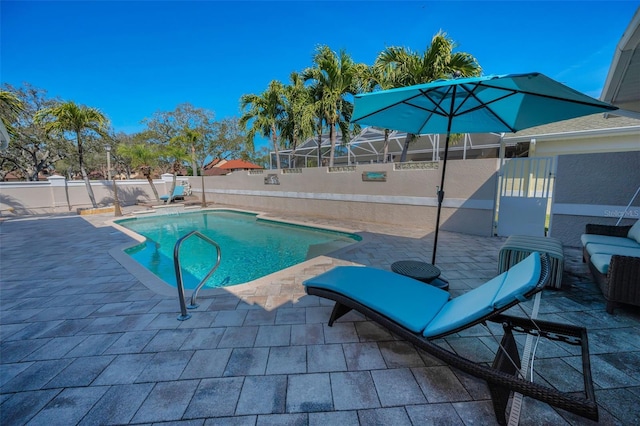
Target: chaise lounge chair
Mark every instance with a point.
(178, 194)
(422, 313)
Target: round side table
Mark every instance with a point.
(421, 271)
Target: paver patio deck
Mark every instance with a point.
(83, 341)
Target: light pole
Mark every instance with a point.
(108, 148)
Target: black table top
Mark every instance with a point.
(419, 270)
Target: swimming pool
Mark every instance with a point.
(251, 247)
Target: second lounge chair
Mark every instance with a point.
(421, 313)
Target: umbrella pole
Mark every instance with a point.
(441, 194)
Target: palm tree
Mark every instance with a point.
(297, 123)
(336, 77)
(380, 78)
(12, 106)
(76, 119)
(264, 111)
(437, 62)
(176, 153)
(143, 157)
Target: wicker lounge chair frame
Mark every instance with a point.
(501, 377)
(621, 284)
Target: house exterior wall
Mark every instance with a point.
(550, 145)
(594, 188)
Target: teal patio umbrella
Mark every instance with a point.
(497, 103)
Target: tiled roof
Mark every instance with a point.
(239, 164)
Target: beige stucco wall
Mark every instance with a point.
(406, 197)
(550, 145)
(594, 188)
(54, 196)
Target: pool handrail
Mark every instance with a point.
(179, 283)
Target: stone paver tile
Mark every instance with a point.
(340, 332)
(342, 418)
(309, 392)
(215, 398)
(477, 388)
(232, 421)
(247, 361)
(384, 416)
(353, 390)
(290, 316)
(238, 337)
(301, 419)
(273, 335)
(167, 340)
(118, 404)
(324, 358)
(287, 360)
(81, 372)
(476, 412)
(559, 374)
(35, 376)
(307, 334)
(259, 317)
(55, 348)
(608, 376)
(125, 369)
(471, 348)
(224, 303)
(363, 356)
(400, 354)
(207, 363)
(166, 402)
(165, 366)
(94, 345)
(435, 414)
(397, 387)
(229, 318)
(67, 328)
(535, 412)
(317, 314)
(439, 384)
(17, 350)
(8, 330)
(69, 406)
(203, 339)
(622, 403)
(164, 321)
(199, 319)
(262, 395)
(369, 331)
(9, 371)
(20, 407)
(131, 342)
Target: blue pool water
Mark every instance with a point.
(251, 247)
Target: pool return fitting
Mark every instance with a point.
(179, 283)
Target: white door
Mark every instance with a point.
(524, 196)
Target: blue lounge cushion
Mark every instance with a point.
(406, 301)
(178, 191)
(466, 308)
(608, 240)
(601, 262)
(520, 280)
(634, 232)
(608, 249)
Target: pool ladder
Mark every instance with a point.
(176, 262)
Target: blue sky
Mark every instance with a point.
(133, 58)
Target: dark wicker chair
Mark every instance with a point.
(621, 284)
(503, 376)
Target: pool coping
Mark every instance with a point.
(161, 287)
